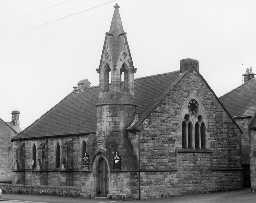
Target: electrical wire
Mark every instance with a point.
(75, 13)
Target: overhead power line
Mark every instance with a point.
(76, 13)
(57, 4)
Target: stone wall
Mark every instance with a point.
(245, 141)
(253, 159)
(41, 190)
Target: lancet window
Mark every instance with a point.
(193, 128)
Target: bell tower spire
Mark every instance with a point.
(116, 103)
(116, 70)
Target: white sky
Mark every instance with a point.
(40, 63)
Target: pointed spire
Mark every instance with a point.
(116, 27)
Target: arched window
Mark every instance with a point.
(83, 148)
(57, 156)
(117, 161)
(184, 135)
(124, 76)
(107, 77)
(203, 136)
(190, 129)
(34, 156)
(197, 145)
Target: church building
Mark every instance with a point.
(150, 137)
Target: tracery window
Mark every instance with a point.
(193, 128)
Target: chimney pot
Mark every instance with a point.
(189, 64)
(15, 118)
(248, 75)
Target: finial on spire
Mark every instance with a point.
(116, 6)
(116, 27)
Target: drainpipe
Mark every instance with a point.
(139, 168)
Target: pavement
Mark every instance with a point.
(244, 196)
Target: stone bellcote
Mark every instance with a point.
(116, 70)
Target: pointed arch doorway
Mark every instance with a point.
(102, 178)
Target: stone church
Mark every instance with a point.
(150, 137)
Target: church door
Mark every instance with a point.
(102, 178)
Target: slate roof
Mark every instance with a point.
(242, 100)
(76, 113)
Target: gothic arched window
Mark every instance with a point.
(107, 77)
(57, 156)
(34, 156)
(124, 76)
(203, 136)
(197, 144)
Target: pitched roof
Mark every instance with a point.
(242, 100)
(76, 113)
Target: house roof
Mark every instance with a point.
(76, 113)
(241, 101)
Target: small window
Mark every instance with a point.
(84, 155)
(124, 76)
(117, 161)
(57, 156)
(193, 106)
(34, 156)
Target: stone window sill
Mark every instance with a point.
(203, 151)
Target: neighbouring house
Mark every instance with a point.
(7, 131)
(150, 137)
(241, 103)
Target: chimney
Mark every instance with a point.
(189, 64)
(83, 84)
(15, 118)
(248, 75)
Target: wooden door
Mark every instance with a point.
(102, 178)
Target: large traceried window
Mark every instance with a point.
(193, 128)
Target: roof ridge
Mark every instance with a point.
(237, 87)
(149, 76)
